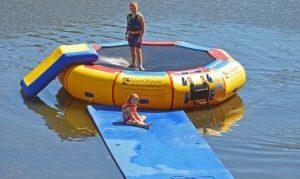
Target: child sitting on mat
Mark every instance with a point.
(130, 115)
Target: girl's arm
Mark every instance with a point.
(143, 28)
(135, 118)
(129, 113)
(126, 34)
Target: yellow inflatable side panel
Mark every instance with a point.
(218, 85)
(153, 90)
(180, 92)
(234, 76)
(90, 85)
(159, 90)
(192, 89)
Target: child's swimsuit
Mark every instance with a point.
(132, 109)
(134, 25)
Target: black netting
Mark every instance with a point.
(156, 58)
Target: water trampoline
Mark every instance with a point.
(177, 75)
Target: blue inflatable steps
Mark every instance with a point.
(60, 59)
(171, 148)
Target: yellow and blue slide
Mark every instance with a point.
(60, 59)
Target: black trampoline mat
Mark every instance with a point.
(157, 58)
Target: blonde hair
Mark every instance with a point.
(132, 95)
(135, 4)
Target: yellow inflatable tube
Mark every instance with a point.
(201, 86)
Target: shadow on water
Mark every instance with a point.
(71, 121)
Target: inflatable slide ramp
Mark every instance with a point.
(61, 58)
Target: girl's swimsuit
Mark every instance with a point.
(132, 109)
(134, 25)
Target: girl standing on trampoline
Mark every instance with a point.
(134, 34)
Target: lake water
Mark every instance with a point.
(256, 134)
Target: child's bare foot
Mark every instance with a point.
(132, 66)
(147, 126)
(141, 68)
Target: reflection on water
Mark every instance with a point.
(217, 119)
(71, 121)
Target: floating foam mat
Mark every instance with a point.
(171, 148)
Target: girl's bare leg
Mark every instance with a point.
(140, 58)
(143, 118)
(138, 124)
(133, 56)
